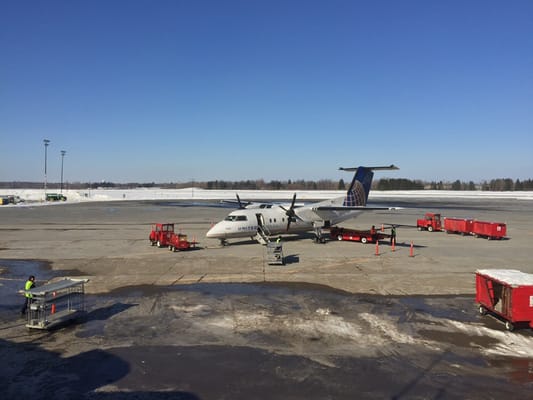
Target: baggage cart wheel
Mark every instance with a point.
(171, 248)
(339, 237)
(158, 243)
(509, 326)
(430, 228)
(482, 310)
(419, 228)
(364, 240)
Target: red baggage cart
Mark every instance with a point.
(458, 225)
(490, 230)
(507, 293)
(354, 235)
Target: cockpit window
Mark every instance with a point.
(236, 218)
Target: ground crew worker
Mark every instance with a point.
(30, 284)
(393, 234)
(373, 233)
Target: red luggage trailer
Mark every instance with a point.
(463, 226)
(506, 293)
(490, 230)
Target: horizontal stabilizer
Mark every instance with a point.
(382, 168)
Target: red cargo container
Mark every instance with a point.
(507, 293)
(458, 225)
(490, 230)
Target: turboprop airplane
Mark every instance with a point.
(266, 220)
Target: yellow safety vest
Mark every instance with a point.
(27, 287)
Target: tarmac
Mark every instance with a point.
(339, 320)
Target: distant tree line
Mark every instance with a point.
(300, 184)
(498, 185)
(494, 185)
(398, 184)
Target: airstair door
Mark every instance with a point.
(262, 230)
(260, 220)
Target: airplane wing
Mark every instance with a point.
(332, 212)
(241, 204)
(236, 203)
(255, 204)
(353, 208)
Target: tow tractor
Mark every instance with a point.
(163, 235)
(354, 235)
(431, 222)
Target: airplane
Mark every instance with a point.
(260, 222)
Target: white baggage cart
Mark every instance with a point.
(55, 303)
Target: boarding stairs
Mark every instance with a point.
(262, 235)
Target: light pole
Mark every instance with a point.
(63, 152)
(46, 143)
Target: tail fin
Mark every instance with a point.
(357, 194)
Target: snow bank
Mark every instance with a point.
(37, 195)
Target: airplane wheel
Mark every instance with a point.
(509, 326)
(364, 240)
(339, 237)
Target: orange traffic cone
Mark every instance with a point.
(411, 252)
(377, 247)
(53, 309)
(393, 244)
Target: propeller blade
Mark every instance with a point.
(291, 214)
(239, 201)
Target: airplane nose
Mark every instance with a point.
(214, 232)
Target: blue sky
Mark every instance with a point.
(169, 91)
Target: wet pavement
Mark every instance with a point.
(260, 341)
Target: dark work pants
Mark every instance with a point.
(27, 303)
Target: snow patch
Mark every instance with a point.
(510, 344)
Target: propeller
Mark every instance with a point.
(291, 214)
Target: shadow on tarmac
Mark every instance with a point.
(104, 313)
(40, 374)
